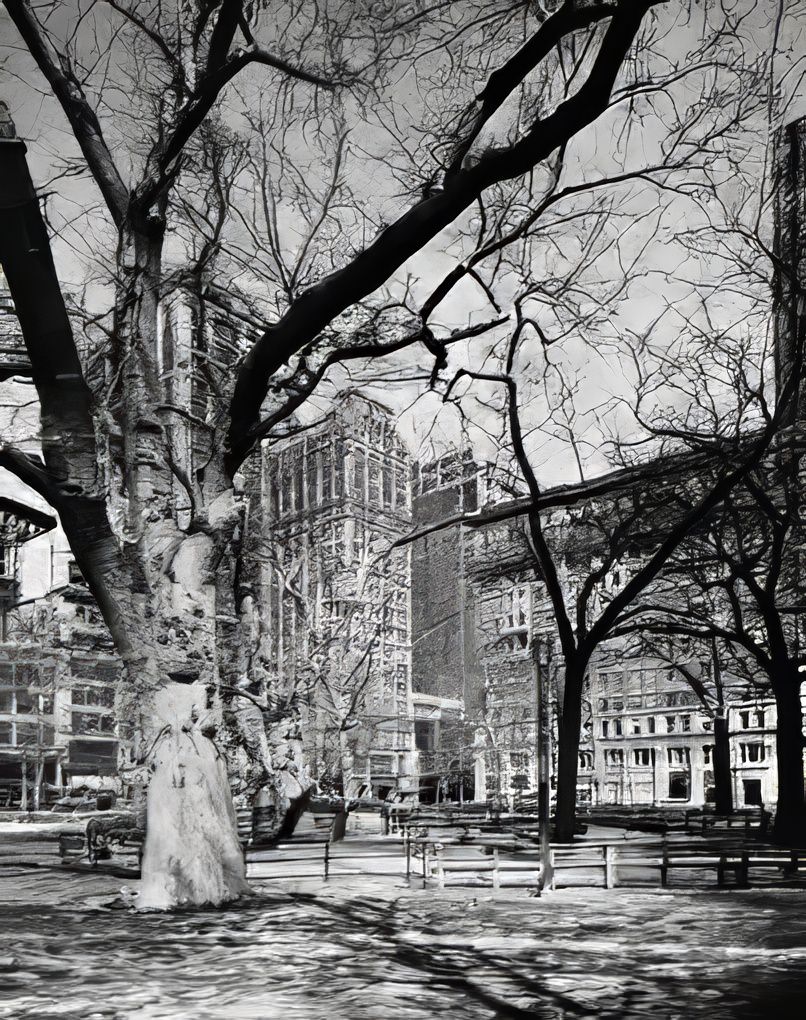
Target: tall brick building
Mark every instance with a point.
(337, 496)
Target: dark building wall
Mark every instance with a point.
(444, 663)
(436, 610)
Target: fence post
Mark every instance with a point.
(407, 841)
(664, 867)
(327, 859)
(745, 870)
(496, 876)
(425, 860)
(608, 870)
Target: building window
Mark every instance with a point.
(678, 786)
(605, 727)
(386, 476)
(586, 760)
(650, 724)
(103, 697)
(338, 470)
(642, 756)
(374, 484)
(312, 471)
(614, 756)
(90, 722)
(752, 753)
(327, 475)
(709, 786)
(708, 754)
(760, 718)
(518, 761)
(425, 734)
(744, 719)
(685, 723)
(635, 725)
(678, 755)
(617, 728)
(168, 358)
(514, 619)
(359, 474)
(670, 723)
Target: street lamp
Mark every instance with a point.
(541, 656)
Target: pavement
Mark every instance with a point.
(368, 945)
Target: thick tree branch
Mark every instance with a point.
(316, 307)
(30, 470)
(56, 68)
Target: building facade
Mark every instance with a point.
(653, 740)
(337, 601)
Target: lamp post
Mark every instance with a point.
(540, 659)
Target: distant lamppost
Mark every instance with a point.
(541, 658)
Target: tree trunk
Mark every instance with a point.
(349, 784)
(790, 811)
(568, 754)
(192, 856)
(168, 595)
(723, 783)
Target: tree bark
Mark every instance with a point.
(349, 786)
(790, 810)
(568, 754)
(723, 784)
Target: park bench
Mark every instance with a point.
(748, 819)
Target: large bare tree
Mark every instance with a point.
(178, 112)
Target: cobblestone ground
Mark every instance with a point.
(366, 949)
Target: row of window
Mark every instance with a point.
(648, 724)
(660, 699)
(319, 477)
(749, 753)
(747, 719)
